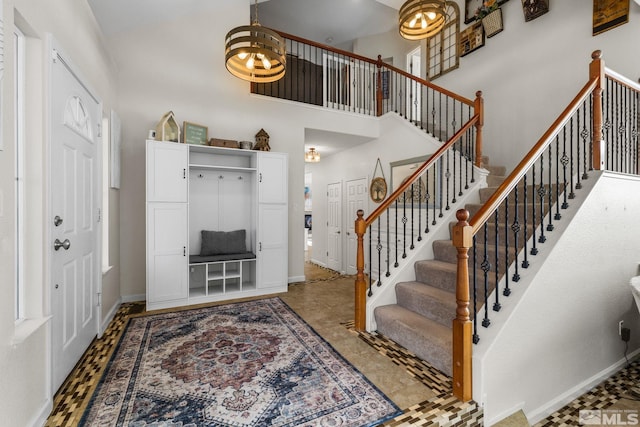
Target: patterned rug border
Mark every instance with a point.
(85, 408)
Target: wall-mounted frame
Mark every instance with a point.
(471, 38)
(608, 14)
(424, 190)
(534, 8)
(195, 134)
(470, 7)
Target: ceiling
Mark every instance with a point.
(332, 22)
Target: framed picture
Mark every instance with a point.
(534, 8)
(471, 38)
(470, 7)
(424, 190)
(194, 134)
(608, 14)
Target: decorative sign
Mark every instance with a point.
(194, 134)
(471, 38)
(608, 14)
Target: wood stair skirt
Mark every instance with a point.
(421, 319)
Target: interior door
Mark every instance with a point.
(334, 226)
(75, 231)
(357, 194)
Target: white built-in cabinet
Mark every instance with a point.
(192, 188)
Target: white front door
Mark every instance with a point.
(334, 226)
(357, 194)
(75, 231)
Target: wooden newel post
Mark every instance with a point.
(478, 108)
(379, 87)
(596, 70)
(361, 285)
(462, 328)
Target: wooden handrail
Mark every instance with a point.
(464, 231)
(510, 182)
(411, 179)
(379, 62)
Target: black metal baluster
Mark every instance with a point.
(396, 264)
(370, 259)
(420, 208)
(435, 195)
(525, 260)
(379, 249)
(412, 211)
(564, 160)
(557, 216)
(440, 169)
(571, 194)
(447, 176)
(515, 227)
(388, 245)
(496, 268)
(404, 225)
(461, 160)
(507, 290)
(476, 337)
(485, 266)
(427, 196)
(584, 133)
(534, 249)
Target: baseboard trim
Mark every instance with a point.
(550, 407)
(41, 417)
(296, 279)
(133, 298)
(109, 317)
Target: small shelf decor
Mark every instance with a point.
(491, 16)
(167, 128)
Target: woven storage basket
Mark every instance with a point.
(492, 23)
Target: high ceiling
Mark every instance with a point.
(333, 22)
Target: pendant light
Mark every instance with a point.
(255, 53)
(419, 19)
(312, 156)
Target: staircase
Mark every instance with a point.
(421, 319)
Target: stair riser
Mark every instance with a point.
(531, 210)
(443, 279)
(447, 253)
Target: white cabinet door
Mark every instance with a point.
(167, 167)
(167, 260)
(272, 246)
(272, 177)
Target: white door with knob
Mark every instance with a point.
(334, 226)
(75, 171)
(357, 193)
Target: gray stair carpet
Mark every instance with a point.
(421, 319)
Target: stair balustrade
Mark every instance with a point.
(322, 75)
(598, 130)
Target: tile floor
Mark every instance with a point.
(325, 301)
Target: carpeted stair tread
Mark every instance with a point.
(424, 337)
(428, 301)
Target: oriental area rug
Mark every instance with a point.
(253, 363)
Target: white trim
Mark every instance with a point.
(560, 401)
(109, 317)
(133, 298)
(25, 328)
(297, 279)
(40, 418)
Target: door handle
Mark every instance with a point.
(57, 244)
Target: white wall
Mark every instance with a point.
(529, 72)
(398, 140)
(25, 395)
(179, 66)
(388, 45)
(561, 337)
